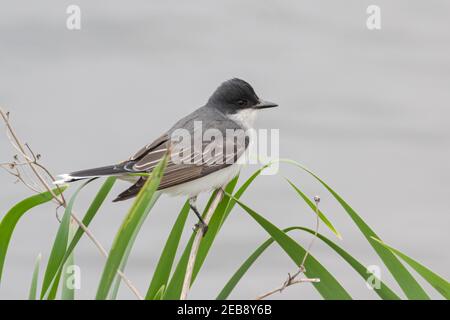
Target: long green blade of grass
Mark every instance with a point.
(140, 207)
(59, 249)
(160, 294)
(242, 189)
(92, 211)
(34, 279)
(13, 216)
(214, 226)
(87, 219)
(68, 283)
(313, 207)
(383, 291)
(435, 280)
(328, 287)
(406, 281)
(165, 263)
(118, 280)
(173, 290)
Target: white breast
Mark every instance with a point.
(210, 182)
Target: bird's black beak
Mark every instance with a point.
(265, 104)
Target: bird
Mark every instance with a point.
(232, 107)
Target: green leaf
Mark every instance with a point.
(34, 280)
(68, 292)
(406, 281)
(13, 216)
(214, 226)
(160, 293)
(384, 291)
(165, 263)
(59, 249)
(87, 219)
(439, 283)
(328, 287)
(313, 207)
(242, 189)
(174, 287)
(92, 211)
(117, 281)
(173, 290)
(140, 207)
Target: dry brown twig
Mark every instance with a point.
(196, 245)
(40, 180)
(294, 279)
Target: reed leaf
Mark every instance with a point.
(140, 207)
(406, 281)
(383, 291)
(88, 217)
(164, 267)
(118, 280)
(328, 287)
(313, 207)
(12, 217)
(68, 291)
(174, 287)
(59, 250)
(34, 280)
(436, 281)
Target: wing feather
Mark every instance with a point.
(214, 155)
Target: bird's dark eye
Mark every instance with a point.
(242, 103)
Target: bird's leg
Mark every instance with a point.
(201, 223)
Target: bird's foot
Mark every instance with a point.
(201, 226)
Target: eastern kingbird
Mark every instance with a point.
(232, 107)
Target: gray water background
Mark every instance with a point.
(367, 110)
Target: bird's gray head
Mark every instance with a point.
(236, 95)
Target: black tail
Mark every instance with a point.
(92, 173)
(115, 170)
(99, 172)
(132, 191)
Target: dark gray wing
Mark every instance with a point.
(186, 163)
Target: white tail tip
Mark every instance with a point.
(62, 179)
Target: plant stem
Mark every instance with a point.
(292, 279)
(32, 162)
(196, 246)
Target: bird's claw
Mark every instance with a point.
(201, 225)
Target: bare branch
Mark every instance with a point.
(289, 282)
(293, 279)
(31, 160)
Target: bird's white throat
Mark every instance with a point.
(245, 118)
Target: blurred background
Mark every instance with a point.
(366, 110)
